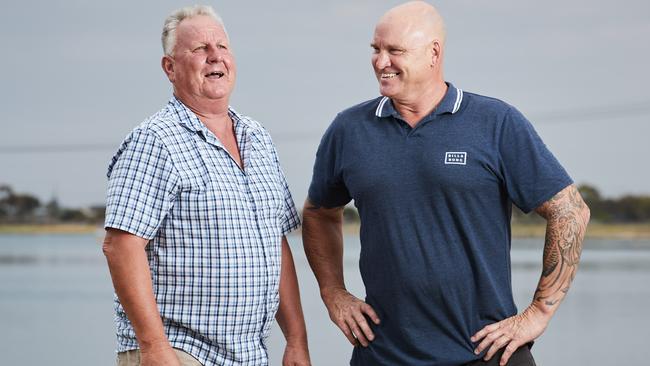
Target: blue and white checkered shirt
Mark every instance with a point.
(215, 231)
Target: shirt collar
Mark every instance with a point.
(190, 120)
(450, 103)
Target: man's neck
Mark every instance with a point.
(413, 110)
(209, 111)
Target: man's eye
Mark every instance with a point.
(222, 46)
(396, 52)
(200, 48)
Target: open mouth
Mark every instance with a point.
(389, 75)
(217, 74)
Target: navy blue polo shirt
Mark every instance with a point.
(435, 205)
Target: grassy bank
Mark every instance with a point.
(49, 229)
(595, 230)
(603, 231)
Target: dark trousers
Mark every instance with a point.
(521, 357)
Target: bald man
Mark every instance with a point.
(434, 171)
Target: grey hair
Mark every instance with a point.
(173, 20)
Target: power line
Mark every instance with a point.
(563, 116)
(595, 113)
(65, 148)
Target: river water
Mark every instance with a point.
(56, 303)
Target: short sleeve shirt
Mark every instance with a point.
(435, 207)
(215, 231)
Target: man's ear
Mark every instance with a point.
(436, 50)
(167, 64)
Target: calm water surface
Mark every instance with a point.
(56, 303)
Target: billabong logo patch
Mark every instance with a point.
(456, 157)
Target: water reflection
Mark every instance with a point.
(56, 295)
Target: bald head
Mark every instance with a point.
(415, 19)
(408, 52)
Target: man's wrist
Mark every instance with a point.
(542, 310)
(154, 344)
(327, 292)
(297, 340)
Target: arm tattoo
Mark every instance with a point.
(567, 217)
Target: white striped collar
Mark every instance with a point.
(450, 103)
(380, 107)
(459, 100)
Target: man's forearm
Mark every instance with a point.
(567, 218)
(289, 315)
(322, 237)
(127, 262)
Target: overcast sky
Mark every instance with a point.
(77, 76)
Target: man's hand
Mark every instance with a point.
(567, 216)
(511, 333)
(322, 237)
(160, 354)
(296, 355)
(347, 312)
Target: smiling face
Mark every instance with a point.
(407, 51)
(202, 67)
(403, 60)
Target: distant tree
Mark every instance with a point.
(634, 209)
(5, 211)
(589, 193)
(97, 214)
(24, 205)
(16, 207)
(601, 210)
(72, 215)
(350, 215)
(5, 192)
(53, 210)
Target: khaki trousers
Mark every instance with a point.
(132, 358)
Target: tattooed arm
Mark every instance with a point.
(566, 217)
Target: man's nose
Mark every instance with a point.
(214, 55)
(382, 60)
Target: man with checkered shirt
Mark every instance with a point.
(196, 217)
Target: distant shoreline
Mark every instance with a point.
(596, 230)
(49, 229)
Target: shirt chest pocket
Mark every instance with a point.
(192, 200)
(266, 185)
(194, 181)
